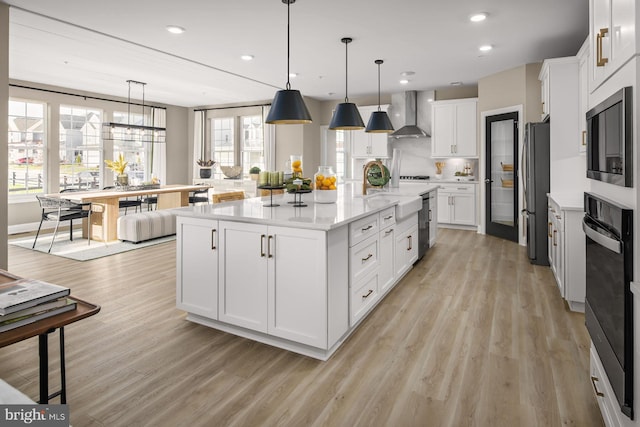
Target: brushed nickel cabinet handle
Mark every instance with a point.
(389, 231)
(262, 237)
(430, 216)
(388, 217)
(368, 293)
(367, 258)
(213, 239)
(595, 388)
(269, 253)
(367, 228)
(584, 138)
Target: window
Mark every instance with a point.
(223, 143)
(252, 143)
(27, 147)
(80, 147)
(340, 156)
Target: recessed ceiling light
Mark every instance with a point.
(478, 17)
(246, 57)
(293, 75)
(485, 48)
(456, 83)
(404, 81)
(174, 29)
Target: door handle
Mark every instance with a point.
(487, 181)
(600, 60)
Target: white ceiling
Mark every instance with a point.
(97, 45)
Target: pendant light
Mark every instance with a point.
(379, 121)
(346, 116)
(287, 106)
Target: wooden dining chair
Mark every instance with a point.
(56, 209)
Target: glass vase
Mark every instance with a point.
(325, 184)
(296, 166)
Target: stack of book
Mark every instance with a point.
(25, 301)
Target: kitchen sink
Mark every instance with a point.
(406, 206)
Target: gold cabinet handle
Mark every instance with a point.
(549, 229)
(595, 388)
(367, 258)
(584, 138)
(367, 295)
(269, 254)
(213, 239)
(600, 60)
(262, 254)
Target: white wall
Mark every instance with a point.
(4, 131)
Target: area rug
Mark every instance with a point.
(79, 250)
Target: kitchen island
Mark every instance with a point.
(299, 278)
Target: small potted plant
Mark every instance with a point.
(118, 166)
(205, 168)
(254, 172)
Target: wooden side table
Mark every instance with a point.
(42, 328)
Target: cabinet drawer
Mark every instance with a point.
(606, 400)
(458, 188)
(363, 297)
(363, 228)
(363, 259)
(387, 217)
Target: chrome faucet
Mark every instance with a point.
(365, 181)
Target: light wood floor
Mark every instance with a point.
(474, 335)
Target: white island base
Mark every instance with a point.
(298, 283)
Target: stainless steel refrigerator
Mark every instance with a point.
(535, 163)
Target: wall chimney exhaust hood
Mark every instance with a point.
(410, 128)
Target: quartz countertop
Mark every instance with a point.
(350, 206)
(568, 201)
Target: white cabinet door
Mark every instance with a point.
(442, 130)
(243, 275)
(453, 131)
(466, 144)
(463, 209)
(583, 77)
(613, 37)
(369, 145)
(297, 286)
(544, 88)
(406, 249)
(197, 266)
(433, 217)
(444, 207)
(386, 271)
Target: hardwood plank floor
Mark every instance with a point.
(474, 335)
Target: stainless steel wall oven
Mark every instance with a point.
(609, 305)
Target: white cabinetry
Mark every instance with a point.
(367, 145)
(406, 244)
(567, 249)
(457, 204)
(364, 260)
(606, 398)
(613, 37)
(454, 128)
(197, 266)
(386, 238)
(583, 94)
(273, 280)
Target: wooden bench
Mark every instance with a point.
(146, 225)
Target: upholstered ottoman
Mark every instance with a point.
(146, 225)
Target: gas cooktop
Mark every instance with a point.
(414, 177)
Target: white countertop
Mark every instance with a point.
(319, 216)
(568, 201)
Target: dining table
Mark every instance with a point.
(105, 207)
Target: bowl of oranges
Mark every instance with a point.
(324, 182)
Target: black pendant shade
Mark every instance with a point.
(346, 115)
(379, 121)
(288, 108)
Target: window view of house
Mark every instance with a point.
(27, 147)
(80, 147)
